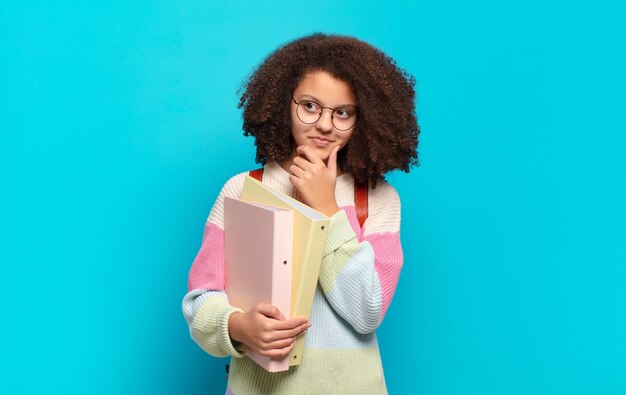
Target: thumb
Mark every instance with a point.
(269, 310)
(332, 160)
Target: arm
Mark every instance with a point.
(205, 306)
(359, 278)
(216, 326)
(207, 314)
(222, 330)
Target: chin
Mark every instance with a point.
(323, 154)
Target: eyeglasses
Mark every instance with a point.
(310, 112)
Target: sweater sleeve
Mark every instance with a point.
(359, 277)
(207, 314)
(205, 306)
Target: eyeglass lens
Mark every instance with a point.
(310, 112)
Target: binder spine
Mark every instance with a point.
(283, 265)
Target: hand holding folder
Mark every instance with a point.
(274, 248)
(266, 330)
(258, 258)
(309, 237)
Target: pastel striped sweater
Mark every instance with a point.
(358, 277)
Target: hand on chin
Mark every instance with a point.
(322, 151)
(314, 176)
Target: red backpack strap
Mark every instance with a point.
(257, 174)
(360, 201)
(360, 196)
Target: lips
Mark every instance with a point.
(320, 142)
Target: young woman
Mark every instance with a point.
(326, 112)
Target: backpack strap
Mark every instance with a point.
(257, 174)
(360, 196)
(360, 202)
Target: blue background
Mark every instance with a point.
(119, 125)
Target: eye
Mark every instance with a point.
(344, 113)
(310, 106)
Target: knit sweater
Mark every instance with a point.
(358, 277)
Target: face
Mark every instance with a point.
(320, 89)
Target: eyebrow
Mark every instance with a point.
(315, 99)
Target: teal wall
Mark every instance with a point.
(118, 126)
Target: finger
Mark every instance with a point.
(302, 163)
(295, 181)
(332, 160)
(289, 324)
(270, 337)
(308, 153)
(269, 310)
(299, 330)
(278, 335)
(278, 344)
(296, 171)
(278, 353)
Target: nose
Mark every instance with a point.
(325, 123)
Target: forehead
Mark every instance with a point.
(322, 86)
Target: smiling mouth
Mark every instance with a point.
(320, 141)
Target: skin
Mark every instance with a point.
(313, 172)
(313, 164)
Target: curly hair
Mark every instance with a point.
(386, 131)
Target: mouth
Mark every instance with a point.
(320, 142)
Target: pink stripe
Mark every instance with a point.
(388, 259)
(207, 271)
(354, 221)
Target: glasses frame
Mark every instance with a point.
(319, 115)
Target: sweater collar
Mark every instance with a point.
(282, 177)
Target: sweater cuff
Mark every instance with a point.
(215, 314)
(224, 339)
(339, 232)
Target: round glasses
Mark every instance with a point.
(310, 112)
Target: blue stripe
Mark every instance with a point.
(356, 293)
(329, 331)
